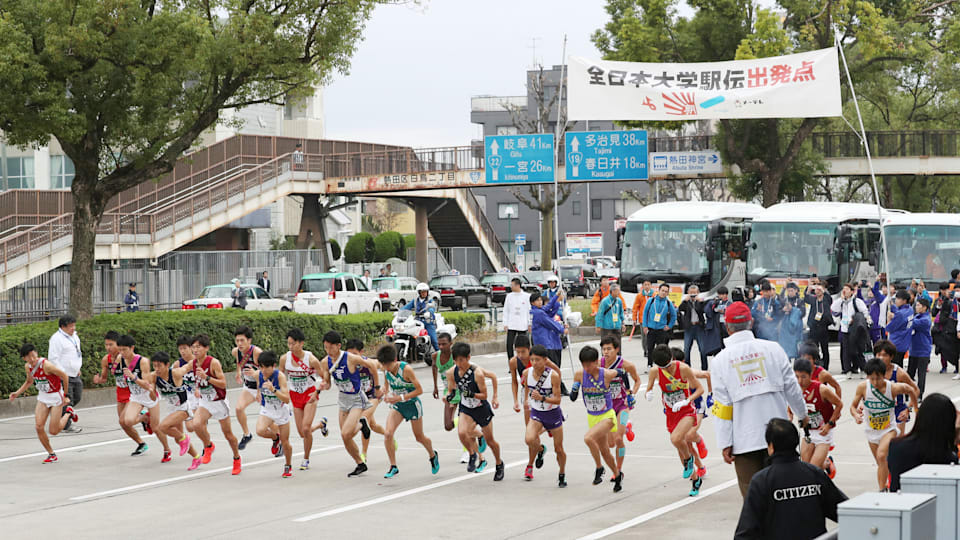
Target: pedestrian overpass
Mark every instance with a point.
(212, 187)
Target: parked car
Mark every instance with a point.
(579, 279)
(537, 276)
(460, 292)
(606, 266)
(500, 284)
(395, 292)
(335, 293)
(220, 296)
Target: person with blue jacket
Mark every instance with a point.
(767, 312)
(899, 328)
(610, 313)
(921, 343)
(546, 330)
(659, 317)
(425, 310)
(791, 328)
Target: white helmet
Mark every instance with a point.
(552, 277)
(422, 287)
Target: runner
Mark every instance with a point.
(275, 412)
(111, 363)
(404, 400)
(542, 395)
(601, 418)
(823, 410)
(50, 380)
(679, 387)
(170, 385)
(345, 372)
(701, 404)
(185, 347)
(811, 352)
(443, 362)
(885, 350)
(246, 354)
(300, 368)
(623, 398)
(142, 396)
(369, 384)
(519, 364)
(878, 396)
(212, 390)
(475, 410)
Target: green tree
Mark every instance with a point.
(387, 245)
(409, 242)
(126, 86)
(334, 249)
(360, 249)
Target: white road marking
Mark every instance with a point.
(659, 511)
(67, 449)
(405, 493)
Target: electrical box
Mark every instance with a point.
(944, 482)
(888, 516)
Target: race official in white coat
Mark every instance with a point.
(753, 382)
(516, 314)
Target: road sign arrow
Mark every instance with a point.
(714, 158)
(494, 147)
(574, 144)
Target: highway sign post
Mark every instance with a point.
(521, 239)
(606, 155)
(518, 158)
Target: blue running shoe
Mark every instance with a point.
(392, 472)
(483, 445)
(435, 463)
(482, 466)
(695, 490)
(688, 467)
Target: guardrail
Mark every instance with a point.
(888, 143)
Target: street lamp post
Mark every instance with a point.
(508, 211)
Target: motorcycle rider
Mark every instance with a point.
(424, 309)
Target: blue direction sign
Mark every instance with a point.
(518, 158)
(521, 239)
(519, 249)
(606, 155)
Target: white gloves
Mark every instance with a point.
(650, 395)
(680, 404)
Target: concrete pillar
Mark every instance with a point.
(423, 272)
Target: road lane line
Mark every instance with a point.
(659, 511)
(401, 494)
(67, 449)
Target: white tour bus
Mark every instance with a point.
(925, 246)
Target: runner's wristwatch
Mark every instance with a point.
(832, 423)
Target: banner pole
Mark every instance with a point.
(556, 182)
(866, 147)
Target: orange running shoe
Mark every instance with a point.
(702, 448)
(208, 453)
(236, 466)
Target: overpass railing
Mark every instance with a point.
(888, 143)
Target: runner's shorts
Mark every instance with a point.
(410, 410)
(123, 395)
(620, 405)
(816, 438)
(874, 436)
(347, 402)
(219, 410)
(279, 416)
(50, 399)
(482, 415)
(251, 391)
(674, 418)
(594, 419)
(143, 398)
(551, 419)
(299, 400)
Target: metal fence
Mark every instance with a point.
(888, 143)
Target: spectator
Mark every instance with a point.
(64, 351)
(298, 157)
(953, 276)
(659, 316)
(873, 298)
(610, 316)
(789, 499)
(264, 281)
(932, 439)
(945, 329)
(767, 312)
(713, 328)
(753, 382)
(819, 319)
(383, 272)
(791, 328)
(390, 270)
(750, 296)
(516, 314)
(898, 328)
(366, 279)
(639, 302)
(921, 343)
(132, 299)
(238, 294)
(545, 330)
(601, 293)
(691, 320)
(844, 308)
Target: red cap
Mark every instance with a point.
(737, 313)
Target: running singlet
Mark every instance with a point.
(674, 388)
(819, 410)
(399, 385)
(44, 381)
(618, 390)
(208, 391)
(175, 395)
(544, 386)
(443, 368)
(816, 372)
(347, 382)
(301, 377)
(521, 368)
(134, 367)
(893, 378)
(878, 407)
(366, 381)
(117, 369)
(467, 384)
(596, 394)
(268, 398)
(244, 360)
(189, 378)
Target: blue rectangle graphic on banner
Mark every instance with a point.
(518, 158)
(606, 155)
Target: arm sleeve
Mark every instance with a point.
(645, 319)
(595, 303)
(53, 350)
(552, 306)
(896, 324)
(409, 305)
(673, 313)
(836, 306)
(754, 508)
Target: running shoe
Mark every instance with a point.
(364, 428)
(464, 457)
(956, 377)
(562, 480)
(688, 467)
(145, 423)
(613, 479)
(618, 483)
(943, 370)
(630, 434)
(702, 448)
(831, 467)
(73, 414)
(482, 465)
(323, 426)
(236, 466)
(287, 472)
(472, 464)
(701, 472)
(598, 476)
(695, 489)
(141, 449)
(528, 473)
(166, 457)
(52, 458)
(184, 444)
(194, 464)
(498, 474)
(483, 444)
(277, 447)
(305, 465)
(361, 468)
(392, 472)
(435, 463)
(539, 461)
(208, 453)
(244, 441)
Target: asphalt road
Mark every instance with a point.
(97, 490)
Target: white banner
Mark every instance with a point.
(792, 86)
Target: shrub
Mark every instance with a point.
(359, 249)
(409, 242)
(389, 244)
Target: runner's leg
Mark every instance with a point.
(467, 431)
(155, 426)
(679, 438)
(132, 433)
(532, 438)
(243, 402)
(449, 411)
(558, 448)
(305, 427)
(417, 426)
(231, 438)
(819, 454)
(41, 412)
(199, 423)
(883, 470)
(394, 419)
(493, 444)
(349, 427)
(284, 432)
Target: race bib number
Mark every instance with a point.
(173, 399)
(595, 402)
(206, 391)
(816, 420)
(470, 402)
(299, 383)
(43, 385)
(881, 421)
(616, 388)
(672, 398)
(366, 383)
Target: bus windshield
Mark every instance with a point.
(791, 249)
(675, 247)
(922, 251)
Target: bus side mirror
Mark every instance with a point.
(753, 245)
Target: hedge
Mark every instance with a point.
(159, 330)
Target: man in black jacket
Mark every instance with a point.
(819, 318)
(691, 319)
(789, 499)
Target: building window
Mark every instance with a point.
(20, 173)
(506, 130)
(576, 208)
(508, 211)
(62, 172)
(596, 209)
